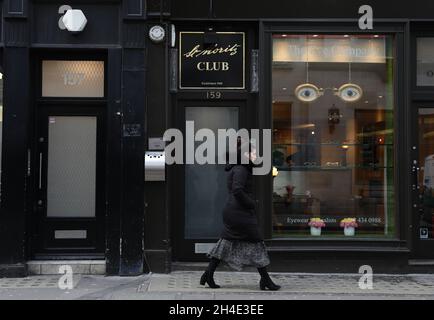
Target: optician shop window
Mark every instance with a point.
(333, 129)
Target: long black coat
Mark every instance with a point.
(239, 214)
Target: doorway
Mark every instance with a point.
(69, 182)
(201, 189)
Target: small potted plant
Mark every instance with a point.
(315, 225)
(349, 225)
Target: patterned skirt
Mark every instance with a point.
(238, 254)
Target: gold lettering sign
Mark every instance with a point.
(196, 52)
(219, 66)
(213, 66)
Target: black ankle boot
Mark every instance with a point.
(266, 282)
(208, 275)
(208, 278)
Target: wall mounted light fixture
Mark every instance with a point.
(72, 20)
(157, 33)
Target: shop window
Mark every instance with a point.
(61, 78)
(425, 62)
(333, 130)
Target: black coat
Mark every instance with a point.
(239, 214)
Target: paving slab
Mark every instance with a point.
(182, 285)
(233, 282)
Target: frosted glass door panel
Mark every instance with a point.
(71, 180)
(73, 78)
(205, 185)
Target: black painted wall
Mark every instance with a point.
(16, 112)
(132, 212)
(14, 145)
(114, 162)
(118, 28)
(102, 26)
(286, 9)
(157, 239)
(137, 224)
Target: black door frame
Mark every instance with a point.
(184, 249)
(44, 244)
(67, 106)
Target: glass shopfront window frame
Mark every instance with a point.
(333, 135)
(401, 203)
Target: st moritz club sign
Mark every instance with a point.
(217, 66)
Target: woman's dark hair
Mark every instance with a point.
(242, 146)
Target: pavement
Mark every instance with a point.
(184, 285)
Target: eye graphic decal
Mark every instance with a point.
(308, 92)
(349, 92)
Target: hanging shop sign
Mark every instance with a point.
(219, 64)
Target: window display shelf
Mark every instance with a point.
(337, 144)
(330, 235)
(325, 168)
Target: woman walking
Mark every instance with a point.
(240, 244)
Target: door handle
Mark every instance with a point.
(415, 171)
(40, 170)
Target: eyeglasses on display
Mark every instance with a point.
(348, 92)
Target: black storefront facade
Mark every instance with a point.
(350, 113)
